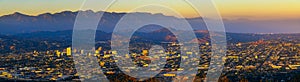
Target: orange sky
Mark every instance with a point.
(250, 9)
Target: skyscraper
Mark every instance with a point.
(69, 51)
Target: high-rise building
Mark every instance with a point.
(69, 51)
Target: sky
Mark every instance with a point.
(230, 9)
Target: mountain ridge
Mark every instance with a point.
(21, 23)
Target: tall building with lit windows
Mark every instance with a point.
(69, 51)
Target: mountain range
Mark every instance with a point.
(20, 23)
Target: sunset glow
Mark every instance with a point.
(254, 9)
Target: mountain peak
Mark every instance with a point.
(45, 14)
(18, 14)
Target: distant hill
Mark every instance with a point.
(159, 35)
(51, 40)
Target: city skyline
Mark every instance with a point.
(150, 40)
